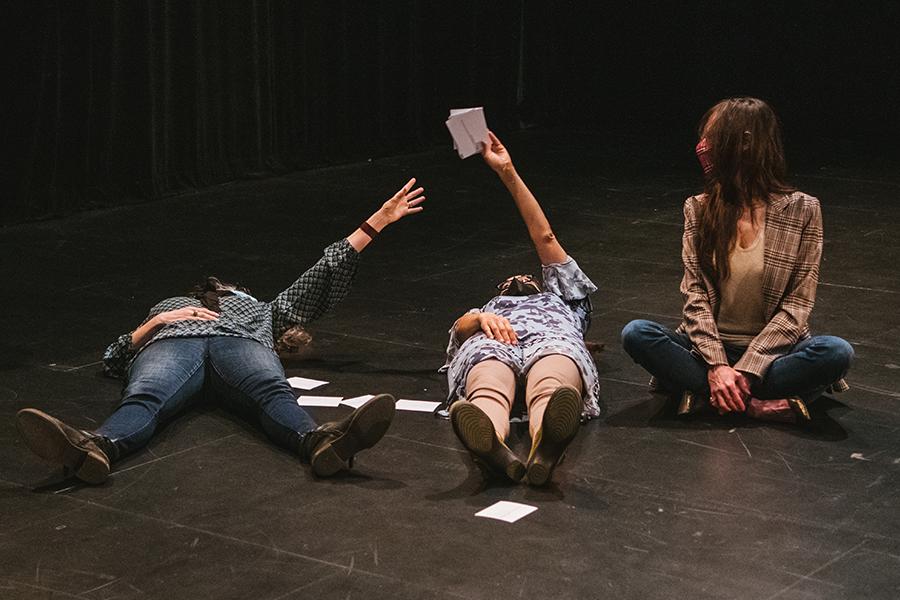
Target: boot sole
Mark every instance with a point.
(560, 423)
(369, 424)
(476, 432)
(46, 438)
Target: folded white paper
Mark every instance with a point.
(417, 405)
(357, 401)
(469, 130)
(302, 383)
(506, 511)
(319, 400)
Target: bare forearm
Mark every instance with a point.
(145, 332)
(545, 243)
(467, 326)
(359, 239)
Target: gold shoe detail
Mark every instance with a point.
(800, 409)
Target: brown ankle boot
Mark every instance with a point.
(476, 432)
(330, 447)
(80, 453)
(559, 425)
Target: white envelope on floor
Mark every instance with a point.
(319, 400)
(302, 383)
(357, 401)
(506, 511)
(416, 405)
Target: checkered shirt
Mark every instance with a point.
(793, 249)
(315, 292)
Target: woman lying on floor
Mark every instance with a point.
(220, 339)
(751, 251)
(525, 337)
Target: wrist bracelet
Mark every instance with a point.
(368, 229)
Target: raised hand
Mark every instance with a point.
(496, 155)
(405, 202)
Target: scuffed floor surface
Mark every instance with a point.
(645, 506)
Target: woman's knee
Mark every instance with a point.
(838, 352)
(635, 334)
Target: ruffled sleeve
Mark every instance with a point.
(567, 280)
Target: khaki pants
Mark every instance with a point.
(491, 386)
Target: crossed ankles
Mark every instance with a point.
(781, 410)
(559, 425)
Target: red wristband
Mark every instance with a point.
(368, 229)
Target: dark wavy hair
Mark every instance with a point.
(744, 146)
(210, 291)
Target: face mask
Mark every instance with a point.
(703, 156)
(244, 295)
(519, 285)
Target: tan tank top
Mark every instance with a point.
(742, 313)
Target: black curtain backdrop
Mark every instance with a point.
(831, 69)
(115, 102)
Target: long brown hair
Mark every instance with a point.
(744, 146)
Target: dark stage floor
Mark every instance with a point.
(645, 506)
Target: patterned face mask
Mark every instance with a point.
(519, 285)
(702, 151)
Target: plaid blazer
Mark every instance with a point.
(793, 249)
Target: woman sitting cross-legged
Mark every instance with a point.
(525, 337)
(751, 251)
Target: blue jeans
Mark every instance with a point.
(806, 371)
(168, 376)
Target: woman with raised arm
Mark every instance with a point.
(525, 337)
(751, 251)
(221, 339)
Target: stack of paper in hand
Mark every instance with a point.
(469, 130)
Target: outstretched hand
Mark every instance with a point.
(404, 202)
(496, 155)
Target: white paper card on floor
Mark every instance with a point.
(302, 383)
(357, 401)
(319, 400)
(506, 511)
(469, 130)
(417, 405)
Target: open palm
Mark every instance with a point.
(404, 202)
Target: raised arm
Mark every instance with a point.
(328, 281)
(549, 249)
